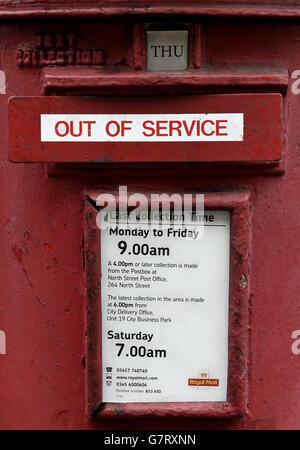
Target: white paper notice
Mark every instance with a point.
(165, 312)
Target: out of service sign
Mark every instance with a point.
(141, 127)
(191, 128)
(164, 294)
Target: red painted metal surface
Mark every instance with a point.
(262, 116)
(211, 79)
(46, 9)
(43, 375)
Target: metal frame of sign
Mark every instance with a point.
(238, 203)
(34, 134)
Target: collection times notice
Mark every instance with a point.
(165, 311)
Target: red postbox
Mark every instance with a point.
(108, 325)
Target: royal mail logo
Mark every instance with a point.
(203, 381)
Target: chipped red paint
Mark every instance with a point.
(52, 350)
(48, 247)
